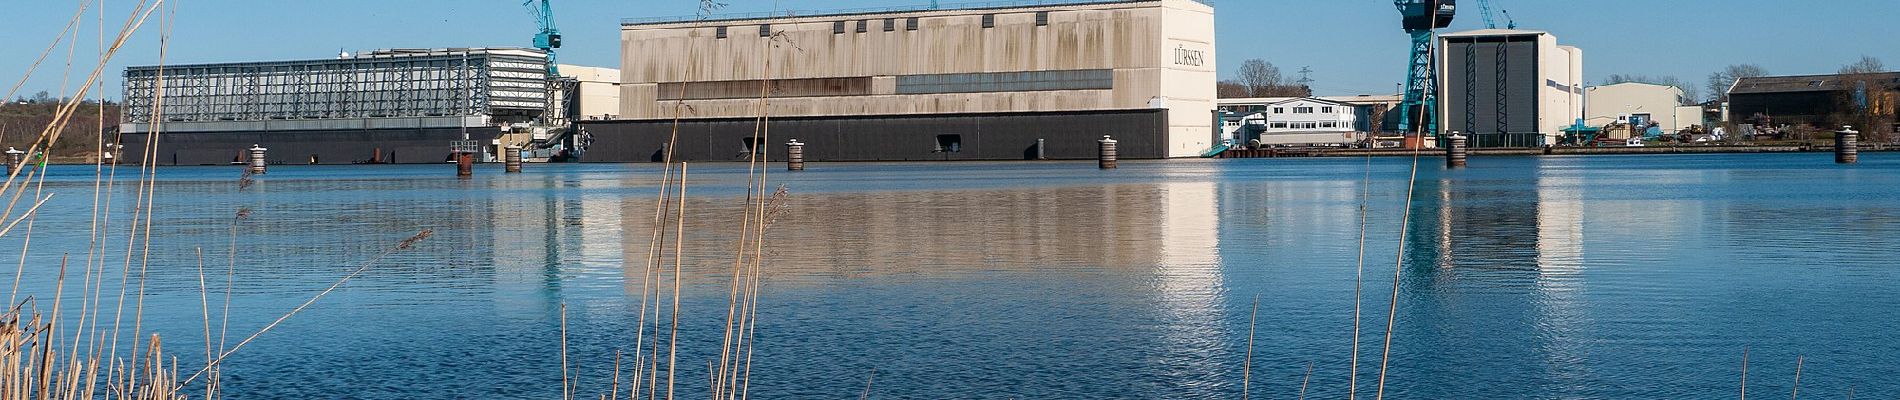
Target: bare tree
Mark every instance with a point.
(1868, 101)
(1720, 81)
(1258, 75)
(1866, 65)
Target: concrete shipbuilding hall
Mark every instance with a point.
(970, 82)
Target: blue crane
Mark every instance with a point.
(1419, 110)
(1489, 22)
(549, 37)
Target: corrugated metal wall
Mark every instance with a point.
(1012, 136)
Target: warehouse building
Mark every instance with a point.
(1819, 101)
(985, 83)
(383, 106)
(1509, 88)
(1640, 104)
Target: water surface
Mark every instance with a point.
(1523, 277)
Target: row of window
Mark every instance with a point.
(1306, 125)
(890, 25)
(1302, 110)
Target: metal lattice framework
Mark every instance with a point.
(382, 84)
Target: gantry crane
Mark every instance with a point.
(1422, 20)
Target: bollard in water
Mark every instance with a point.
(1455, 153)
(258, 163)
(511, 159)
(794, 155)
(15, 159)
(1106, 157)
(1040, 155)
(1846, 146)
(464, 164)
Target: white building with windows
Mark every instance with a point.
(1308, 121)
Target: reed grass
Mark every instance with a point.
(1305, 380)
(1246, 364)
(1798, 361)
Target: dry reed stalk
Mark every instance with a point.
(1798, 360)
(1744, 372)
(777, 205)
(567, 392)
(74, 368)
(679, 244)
(1392, 313)
(1307, 379)
(166, 25)
(1359, 278)
(70, 28)
(359, 270)
(63, 114)
(1246, 364)
(614, 391)
(741, 294)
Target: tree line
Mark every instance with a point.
(1719, 82)
(1259, 78)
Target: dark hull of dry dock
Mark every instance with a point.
(357, 146)
(1142, 134)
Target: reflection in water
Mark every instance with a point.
(1560, 215)
(1526, 277)
(1188, 280)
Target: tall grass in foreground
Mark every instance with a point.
(729, 376)
(48, 350)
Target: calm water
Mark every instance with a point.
(1555, 277)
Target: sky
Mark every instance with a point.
(1351, 46)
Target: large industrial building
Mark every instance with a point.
(1509, 88)
(1640, 104)
(1813, 100)
(983, 83)
(385, 106)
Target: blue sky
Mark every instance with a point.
(1352, 46)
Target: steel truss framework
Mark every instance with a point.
(426, 84)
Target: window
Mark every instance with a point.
(949, 143)
(837, 27)
(1328, 124)
(864, 26)
(1042, 18)
(1279, 110)
(989, 20)
(1302, 110)
(911, 24)
(722, 33)
(765, 30)
(1328, 110)
(890, 24)
(1278, 125)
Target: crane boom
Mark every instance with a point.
(1484, 8)
(548, 38)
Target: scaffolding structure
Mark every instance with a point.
(495, 85)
